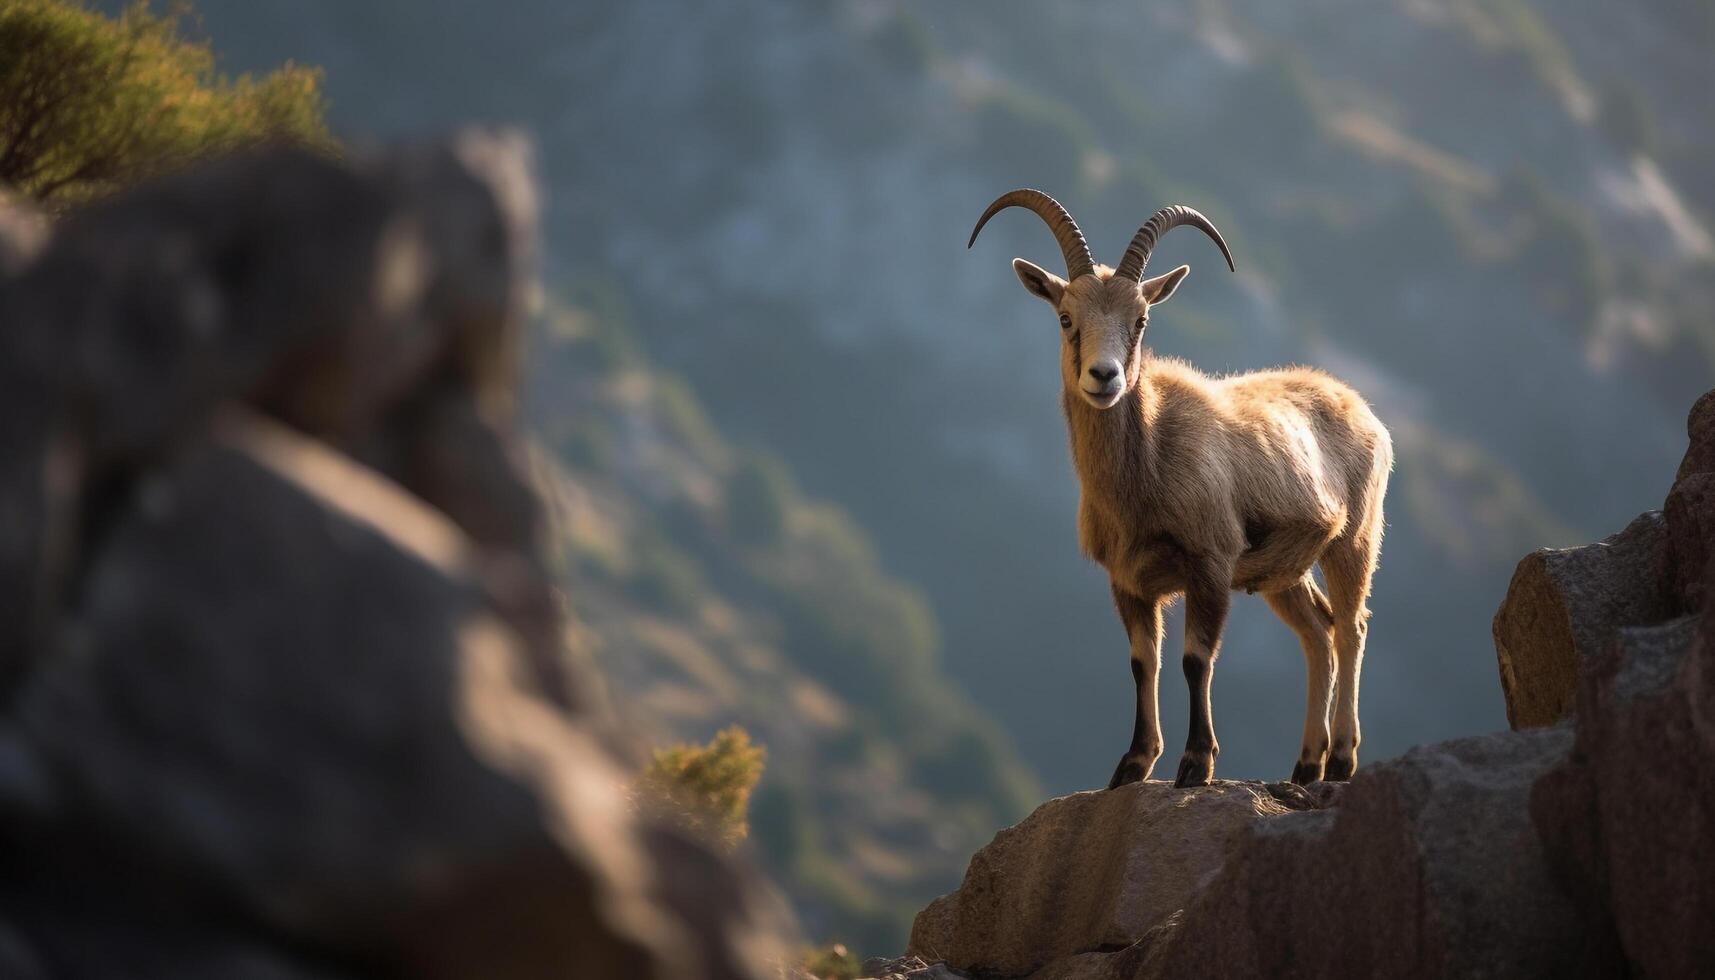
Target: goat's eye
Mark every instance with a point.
(1140, 324)
(1065, 321)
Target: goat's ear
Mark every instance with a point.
(1040, 281)
(1157, 290)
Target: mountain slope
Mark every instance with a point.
(710, 591)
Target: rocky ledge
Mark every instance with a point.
(1579, 845)
(1094, 871)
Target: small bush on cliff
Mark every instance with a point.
(89, 103)
(706, 787)
(833, 962)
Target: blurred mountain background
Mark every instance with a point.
(806, 450)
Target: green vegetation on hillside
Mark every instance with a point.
(89, 103)
(717, 594)
(832, 962)
(706, 787)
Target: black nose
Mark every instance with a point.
(1104, 373)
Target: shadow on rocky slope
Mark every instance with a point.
(284, 685)
(1577, 845)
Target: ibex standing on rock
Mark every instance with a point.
(1195, 485)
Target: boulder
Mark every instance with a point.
(290, 698)
(325, 291)
(285, 687)
(1690, 513)
(1087, 872)
(441, 447)
(328, 293)
(1700, 447)
(1429, 866)
(1628, 818)
(1690, 507)
(1563, 607)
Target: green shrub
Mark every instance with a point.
(90, 103)
(833, 962)
(706, 788)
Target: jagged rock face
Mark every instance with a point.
(1690, 506)
(1565, 606)
(1428, 867)
(335, 297)
(1700, 427)
(1424, 866)
(287, 696)
(1089, 871)
(196, 732)
(1628, 818)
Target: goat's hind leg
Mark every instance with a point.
(1303, 608)
(1348, 565)
(1142, 618)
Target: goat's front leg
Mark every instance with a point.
(1142, 618)
(1207, 598)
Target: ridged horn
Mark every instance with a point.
(1163, 221)
(1079, 261)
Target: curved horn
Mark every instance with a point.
(1079, 261)
(1168, 218)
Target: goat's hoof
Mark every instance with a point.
(1195, 769)
(1132, 769)
(1306, 773)
(1341, 767)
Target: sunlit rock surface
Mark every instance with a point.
(1563, 607)
(1566, 606)
(1092, 871)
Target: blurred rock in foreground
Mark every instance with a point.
(1579, 849)
(285, 693)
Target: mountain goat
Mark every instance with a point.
(1197, 486)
